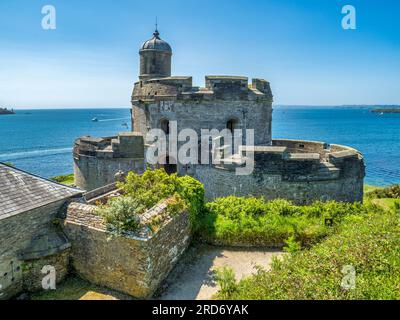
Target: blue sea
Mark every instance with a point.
(40, 141)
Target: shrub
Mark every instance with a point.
(142, 192)
(370, 244)
(121, 214)
(151, 187)
(292, 245)
(192, 191)
(253, 221)
(392, 192)
(225, 278)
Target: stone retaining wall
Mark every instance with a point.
(134, 264)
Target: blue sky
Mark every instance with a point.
(91, 59)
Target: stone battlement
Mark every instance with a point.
(97, 160)
(297, 160)
(125, 145)
(216, 88)
(300, 171)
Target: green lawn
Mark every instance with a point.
(369, 188)
(66, 179)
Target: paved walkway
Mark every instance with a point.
(192, 278)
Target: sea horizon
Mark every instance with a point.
(274, 105)
(36, 151)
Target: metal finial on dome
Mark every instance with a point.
(156, 33)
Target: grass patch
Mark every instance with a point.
(74, 288)
(253, 221)
(369, 188)
(370, 243)
(387, 204)
(65, 179)
(387, 198)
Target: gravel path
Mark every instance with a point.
(192, 278)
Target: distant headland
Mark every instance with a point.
(392, 110)
(6, 111)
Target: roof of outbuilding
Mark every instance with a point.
(21, 191)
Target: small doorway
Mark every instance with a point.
(169, 168)
(231, 125)
(165, 126)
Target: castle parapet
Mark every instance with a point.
(230, 88)
(300, 171)
(299, 161)
(97, 160)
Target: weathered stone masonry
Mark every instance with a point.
(45, 224)
(302, 171)
(136, 263)
(29, 235)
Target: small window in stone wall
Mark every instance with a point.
(327, 146)
(165, 126)
(301, 146)
(231, 125)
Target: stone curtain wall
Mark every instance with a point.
(92, 172)
(302, 177)
(135, 265)
(223, 183)
(16, 233)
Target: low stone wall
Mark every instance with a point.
(134, 264)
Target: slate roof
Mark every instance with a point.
(21, 191)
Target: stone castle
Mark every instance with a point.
(301, 171)
(44, 224)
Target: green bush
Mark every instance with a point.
(192, 191)
(392, 192)
(121, 214)
(225, 278)
(142, 192)
(253, 221)
(292, 245)
(370, 244)
(151, 187)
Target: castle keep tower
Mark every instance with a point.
(155, 58)
(297, 170)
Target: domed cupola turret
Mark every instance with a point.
(155, 58)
